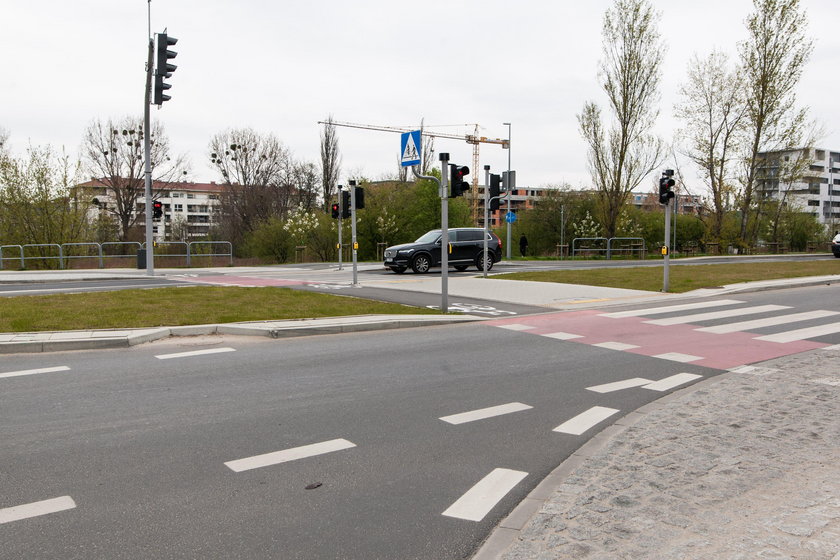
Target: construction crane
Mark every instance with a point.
(473, 139)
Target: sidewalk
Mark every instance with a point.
(744, 465)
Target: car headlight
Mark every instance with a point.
(406, 251)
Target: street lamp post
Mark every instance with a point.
(507, 186)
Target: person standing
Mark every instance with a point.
(523, 245)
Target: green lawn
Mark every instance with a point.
(180, 306)
(682, 278)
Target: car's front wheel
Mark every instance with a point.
(421, 264)
(484, 260)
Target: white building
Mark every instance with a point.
(815, 188)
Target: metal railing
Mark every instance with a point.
(636, 244)
(102, 251)
(576, 249)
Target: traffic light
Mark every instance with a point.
(457, 185)
(163, 68)
(336, 211)
(495, 190)
(666, 183)
(157, 209)
(345, 204)
(360, 198)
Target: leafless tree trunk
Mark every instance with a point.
(330, 161)
(713, 109)
(773, 58)
(621, 157)
(113, 154)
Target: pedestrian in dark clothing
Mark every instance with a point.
(523, 245)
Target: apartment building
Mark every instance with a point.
(188, 208)
(808, 178)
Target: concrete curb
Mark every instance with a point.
(123, 338)
(508, 530)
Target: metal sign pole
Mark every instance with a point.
(353, 230)
(340, 212)
(444, 223)
(486, 214)
(666, 250)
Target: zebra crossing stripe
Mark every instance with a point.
(769, 322)
(670, 308)
(801, 334)
(683, 319)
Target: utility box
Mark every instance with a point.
(141, 259)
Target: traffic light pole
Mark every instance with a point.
(486, 213)
(340, 212)
(353, 229)
(666, 250)
(444, 226)
(150, 258)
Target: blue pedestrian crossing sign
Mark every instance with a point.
(410, 148)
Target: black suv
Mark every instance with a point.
(466, 248)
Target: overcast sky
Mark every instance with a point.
(281, 66)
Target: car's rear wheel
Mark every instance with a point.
(421, 264)
(461, 267)
(398, 269)
(484, 260)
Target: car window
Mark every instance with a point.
(469, 235)
(429, 237)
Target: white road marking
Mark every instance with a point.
(753, 370)
(194, 353)
(670, 308)
(619, 385)
(516, 327)
(585, 420)
(683, 319)
(287, 455)
(769, 322)
(615, 345)
(671, 382)
(34, 371)
(483, 413)
(35, 509)
(677, 357)
(801, 334)
(562, 335)
(481, 498)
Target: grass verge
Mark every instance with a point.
(180, 306)
(682, 278)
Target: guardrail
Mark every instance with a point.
(102, 251)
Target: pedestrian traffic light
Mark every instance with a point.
(360, 198)
(495, 191)
(157, 209)
(457, 185)
(666, 183)
(163, 68)
(345, 204)
(336, 211)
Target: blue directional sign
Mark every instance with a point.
(510, 217)
(410, 146)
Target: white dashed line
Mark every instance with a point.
(677, 357)
(671, 382)
(483, 497)
(585, 420)
(563, 336)
(194, 353)
(619, 385)
(287, 455)
(670, 308)
(34, 371)
(36, 509)
(615, 345)
(483, 413)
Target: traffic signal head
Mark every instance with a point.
(495, 191)
(360, 198)
(157, 209)
(335, 210)
(345, 204)
(665, 193)
(163, 69)
(457, 184)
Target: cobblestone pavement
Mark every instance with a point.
(745, 467)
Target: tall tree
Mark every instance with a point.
(712, 109)
(622, 156)
(773, 58)
(113, 154)
(256, 171)
(330, 161)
